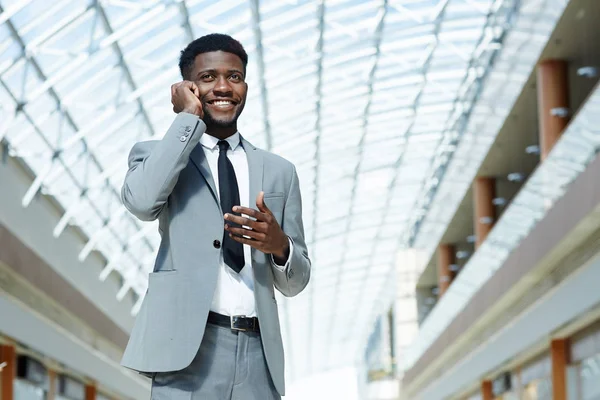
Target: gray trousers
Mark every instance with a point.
(229, 366)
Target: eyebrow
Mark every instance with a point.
(214, 71)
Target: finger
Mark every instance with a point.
(243, 221)
(252, 243)
(178, 87)
(193, 88)
(248, 233)
(240, 220)
(260, 203)
(259, 216)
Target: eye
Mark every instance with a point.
(236, 77)
(206, 77)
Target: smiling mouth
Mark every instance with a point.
(222, 103)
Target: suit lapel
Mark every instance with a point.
(199, 160)
(255, 171)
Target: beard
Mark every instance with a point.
(211, 120)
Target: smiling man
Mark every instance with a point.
(230, 219)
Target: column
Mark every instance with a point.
(51, 384)
(8, 355)
(553, 94)
(446, 253)
(486, 390)
(484, 191)
(559, 353)
(90, 391)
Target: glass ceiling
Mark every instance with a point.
(367, 98)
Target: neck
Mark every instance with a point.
(220, 132)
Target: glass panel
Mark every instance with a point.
(590, 378)
(26, 390)
(540, 389)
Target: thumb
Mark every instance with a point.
(260, 203)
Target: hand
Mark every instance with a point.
(264, 234)
(185, 97)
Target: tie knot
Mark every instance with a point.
(223, 145)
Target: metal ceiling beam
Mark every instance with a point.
(186, 20)
(7, 13)
(51, 91)
(99, 233)
(56, 6)
(79, 12)
(260, 62)
(424, 71)
(128, 76)
(427, 194)
(39, 132)
(38, 183)
(399, 164)
(378, 38)
(318, 129)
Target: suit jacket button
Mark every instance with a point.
(217, 244)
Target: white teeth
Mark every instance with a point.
(222, 103)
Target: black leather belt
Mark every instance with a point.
(235, 322)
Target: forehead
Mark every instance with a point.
(218, 60)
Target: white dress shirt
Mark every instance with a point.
(234, 294)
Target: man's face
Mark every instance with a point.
(220, 78)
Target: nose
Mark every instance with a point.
(222, 86)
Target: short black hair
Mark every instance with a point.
(206, 44)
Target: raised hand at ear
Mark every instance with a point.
(185, 97)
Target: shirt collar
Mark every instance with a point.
(210, 142)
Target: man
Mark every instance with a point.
(230, 219)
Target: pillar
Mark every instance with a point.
(484, 191)
(8, 355)
(51, 384)
(553, 93)
(486, 390)
(90, 391)
(559, 353)
(446, 253)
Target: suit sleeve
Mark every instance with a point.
(287, 263)
(294, 278)
(154, 167)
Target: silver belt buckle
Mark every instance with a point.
(233, 320)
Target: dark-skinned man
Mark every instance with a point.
(230, 219)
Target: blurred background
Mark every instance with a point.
(447, 153)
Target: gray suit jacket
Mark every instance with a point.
(170, 180)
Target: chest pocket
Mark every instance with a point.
(275, 202)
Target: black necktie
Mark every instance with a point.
(233, 252)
